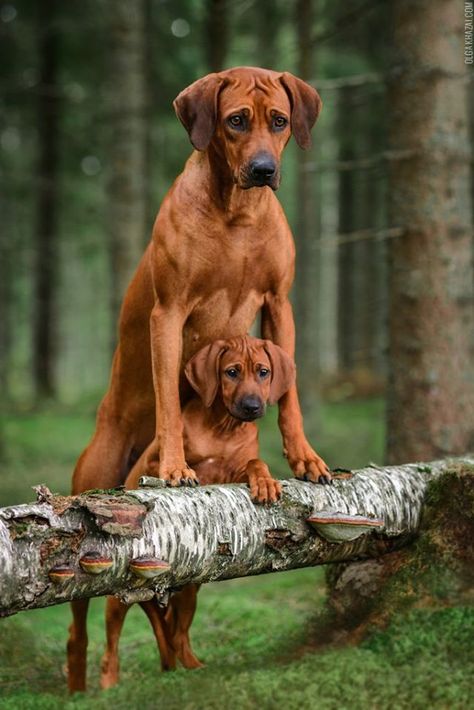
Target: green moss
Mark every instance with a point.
(18, 528)
(119, 491)
(434, 570)
(424, 469)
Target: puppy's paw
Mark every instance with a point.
(264, 489)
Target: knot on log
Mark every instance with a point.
(117, 515)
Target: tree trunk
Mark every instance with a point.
(361, 296)
(50, 550)
(367, 259)
(431, 399)
(216, 34)
(127, 142)
(6, 300)
(306, 232)
(346, 305)
(269, 21)
(325, 300)
(47, 205)
(151, 99)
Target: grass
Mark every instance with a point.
(252, 633)
(248, 632)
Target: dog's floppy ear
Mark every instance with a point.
(196, 108)
(283, 371)
(306, 106)
(202, 371)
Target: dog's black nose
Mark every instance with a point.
(262, 168)
(251, 406)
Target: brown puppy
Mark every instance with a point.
(221, 251)
(235, 380)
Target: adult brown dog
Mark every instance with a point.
(221, 251)
(235, 380)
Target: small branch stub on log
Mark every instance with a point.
(136, 544)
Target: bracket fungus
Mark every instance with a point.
(61, 573)
(95, 563)
(148, 567)
(341, 527)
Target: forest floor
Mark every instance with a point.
(254, 634)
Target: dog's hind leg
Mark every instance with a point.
(156, 617)
(179, 618)
(106, 461)
(115, 614)
(77, 646)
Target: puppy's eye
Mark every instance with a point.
(236, 121)
(232, 372)
(279, 122)
(264, 372)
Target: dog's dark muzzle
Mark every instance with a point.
(249, 408)
(262, 170)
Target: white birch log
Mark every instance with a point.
(199, 534)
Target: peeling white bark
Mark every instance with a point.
(204, 534)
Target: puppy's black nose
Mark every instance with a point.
(262, 168)
(251, 406)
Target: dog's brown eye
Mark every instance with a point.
(264, 372)
(232, 372)
(279, 122)
(236, 121)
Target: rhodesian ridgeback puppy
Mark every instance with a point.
(221, 252)
(235, 380)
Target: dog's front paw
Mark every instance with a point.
(175, 473)
(307, 465)
(264, 489)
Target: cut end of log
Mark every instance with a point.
(340, 527)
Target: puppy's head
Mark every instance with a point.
(248, 115)
(247, 372)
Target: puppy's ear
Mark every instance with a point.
(196, 108)
(202, 371)
(283, 371)
(306, 106)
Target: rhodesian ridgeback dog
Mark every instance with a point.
(235, 380)
(221, 252)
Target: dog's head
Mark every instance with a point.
(247, 116)
(249, 374)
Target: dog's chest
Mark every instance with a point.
(219, 449)
(229, 282)
(224, 313)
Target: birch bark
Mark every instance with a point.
(205, 534)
